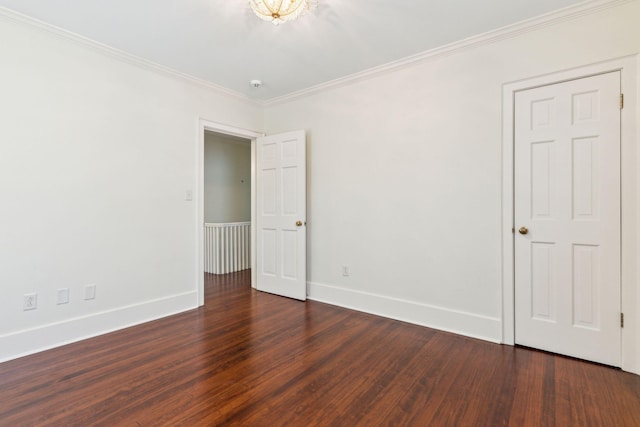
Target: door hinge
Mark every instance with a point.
(621, 101)
(622, 320)
(513, 230)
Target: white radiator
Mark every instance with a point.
(226, 247)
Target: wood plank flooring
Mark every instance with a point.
(254, 359)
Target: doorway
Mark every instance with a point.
(227, 203)
(567, 218)
(629, 358)
(230, 132)
(281, 162)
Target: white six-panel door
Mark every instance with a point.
(281, 218)
(567, 218)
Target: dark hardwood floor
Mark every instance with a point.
(255, 359)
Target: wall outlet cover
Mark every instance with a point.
(63, 296)
(30, 301)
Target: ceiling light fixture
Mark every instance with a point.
(279, 11)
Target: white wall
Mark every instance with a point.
(96, 154)
(404, 180)
(227, 179)
(405, 173)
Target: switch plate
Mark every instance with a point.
(188, 195)
(63, 296)
(90, 292)
(345, 270)
(30, 302)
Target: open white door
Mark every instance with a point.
(281, 216)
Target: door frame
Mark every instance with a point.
(208, 125)
(630, 294)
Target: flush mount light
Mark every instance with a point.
(279, 11)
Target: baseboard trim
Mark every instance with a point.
(444, 319)
(30, 341)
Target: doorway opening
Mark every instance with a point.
(279, 163)
(225, 202)
(227, 205)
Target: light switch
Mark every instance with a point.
(188, 195)
(90, 292)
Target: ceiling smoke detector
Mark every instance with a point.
(256, 83)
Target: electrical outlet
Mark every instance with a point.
(30, 302)
(90, 292)
(345, 270)
(63, 296)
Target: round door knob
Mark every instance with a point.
(523, 230)
(298, 223)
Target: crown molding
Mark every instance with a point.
(509, 31)
(513, 30)
(123, 56)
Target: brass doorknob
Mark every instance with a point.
(523, 230)
(298, 223)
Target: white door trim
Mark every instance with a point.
(629, 182)
(203, 125)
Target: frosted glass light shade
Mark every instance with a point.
(279, 11)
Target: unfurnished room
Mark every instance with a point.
(319, 213)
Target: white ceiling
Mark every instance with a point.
(221, 41)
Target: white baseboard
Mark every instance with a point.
(23, 343)
(444, 319)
